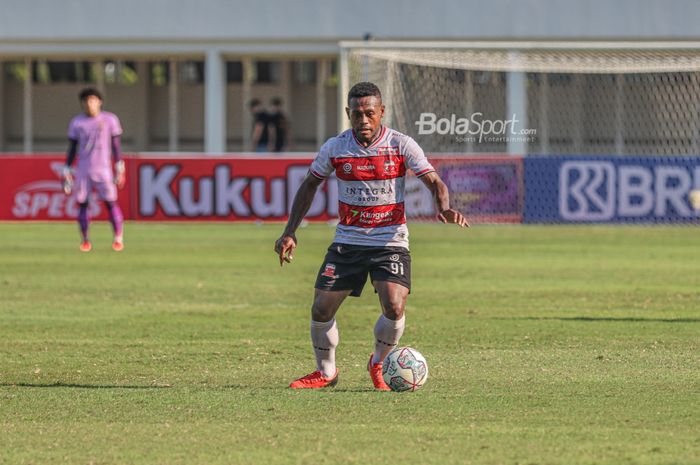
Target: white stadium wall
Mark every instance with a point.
(285, 32)
(320, 20)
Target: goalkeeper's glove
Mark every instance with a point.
(119, 170)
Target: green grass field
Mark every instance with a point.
(546, 345)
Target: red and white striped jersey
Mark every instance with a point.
(371, 184)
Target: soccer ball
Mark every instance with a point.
(404, 369)
(694, 197)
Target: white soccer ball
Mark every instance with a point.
(694, 197)
(405, 369)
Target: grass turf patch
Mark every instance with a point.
(546, 345)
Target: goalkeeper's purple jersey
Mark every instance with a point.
(94, 135)
(371, 184)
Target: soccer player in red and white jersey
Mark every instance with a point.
(370, 162)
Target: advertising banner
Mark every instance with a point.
(31, 189)
(224, 189)
(487, 190)
(200, 188)
(610, 189)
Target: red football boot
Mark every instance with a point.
(315, 380)
(375, 372)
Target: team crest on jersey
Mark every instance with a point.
(329, 271)
(389, 167)
(347, 167)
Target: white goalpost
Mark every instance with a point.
(620, 98)
(587, 131)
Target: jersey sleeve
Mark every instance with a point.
(73, 130)
(322, 166)
(116, 126)
(416, 160)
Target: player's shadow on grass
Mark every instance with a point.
(81, 386)
(128, 386)
(284, 387)
(604, 318)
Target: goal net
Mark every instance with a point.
(579, 101)
(554, 101)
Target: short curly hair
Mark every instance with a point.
(89, 92)
(364, 89)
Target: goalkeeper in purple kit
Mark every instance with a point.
(94, 137)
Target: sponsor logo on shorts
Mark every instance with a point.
(394, 257)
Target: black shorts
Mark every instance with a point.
(346, 267)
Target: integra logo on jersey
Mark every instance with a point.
(387, 190)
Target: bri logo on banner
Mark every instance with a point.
(603, 190)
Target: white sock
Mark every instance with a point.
(324, 337)
(386, 334)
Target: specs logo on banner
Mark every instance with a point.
(44, 199)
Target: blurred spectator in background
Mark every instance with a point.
(279, 126)
(261, 132)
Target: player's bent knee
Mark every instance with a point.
(326, 304)
(321, 313)
(393, 310)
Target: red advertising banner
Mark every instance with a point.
(199, 188)
(260, 188)
(31, 189)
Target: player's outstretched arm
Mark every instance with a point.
(285, 245)
(442, 200)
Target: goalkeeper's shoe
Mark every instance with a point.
(375, 372)
(315, 380)
(118, 245)
(85, 246)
